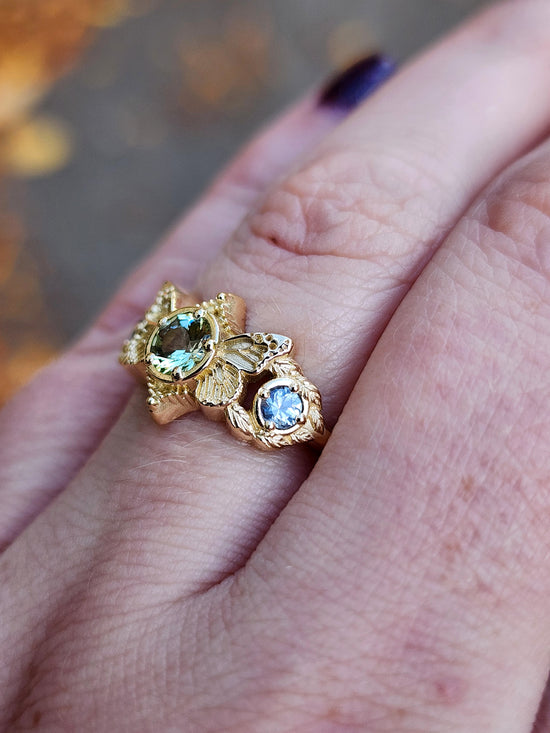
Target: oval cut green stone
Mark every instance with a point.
(181, 343)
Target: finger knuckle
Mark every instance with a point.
(512, 223)
(347, 202)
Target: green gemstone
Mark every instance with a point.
(181, 343)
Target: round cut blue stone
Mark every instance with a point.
(181, 343)
(282, 407)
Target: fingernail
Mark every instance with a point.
(351, 86)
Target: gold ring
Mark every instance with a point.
(195, 356)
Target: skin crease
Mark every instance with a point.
(182, 582)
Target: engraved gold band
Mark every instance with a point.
(196, 356)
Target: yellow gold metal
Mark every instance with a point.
(231, 361)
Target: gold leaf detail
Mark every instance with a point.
(133, 350)
(311, 391)
(279, 440)
(286, 368)
(316, 419)
(219, 384)
(315, 416)
(240, 419)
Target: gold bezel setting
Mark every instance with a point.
(214, 336)
(265, 392)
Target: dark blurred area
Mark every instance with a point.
(114, 114)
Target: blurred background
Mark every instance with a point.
(114, 114)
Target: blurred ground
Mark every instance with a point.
(115, 113)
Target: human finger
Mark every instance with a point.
(68, 408)
(428, 511)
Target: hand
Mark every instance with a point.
(172, 579)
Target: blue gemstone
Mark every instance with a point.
(282, 407)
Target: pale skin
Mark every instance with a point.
(171, 579)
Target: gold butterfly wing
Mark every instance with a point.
(252, 352)
(222, 382)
